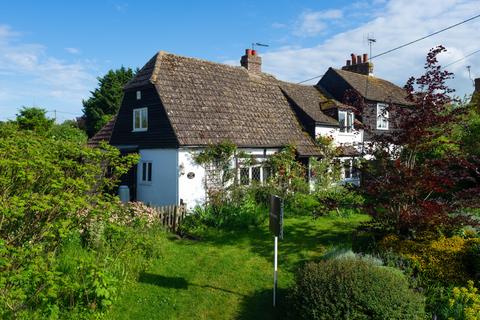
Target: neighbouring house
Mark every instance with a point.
(380, 97)
(323, 116)
(176, 106)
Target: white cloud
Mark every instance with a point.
(312, 23)
(72, 50)
(399, 22)
(31, 76)
(278, 25)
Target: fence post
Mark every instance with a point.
(174, 227)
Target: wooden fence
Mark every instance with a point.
(171, 216)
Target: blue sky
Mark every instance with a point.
(52, 51)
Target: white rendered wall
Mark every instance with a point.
(191, 177)
(191, 185)
(354, 138)
(163, 189)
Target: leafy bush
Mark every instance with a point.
(350, 288)
(302, 204)
(472, 261)
(443, 260)
(238, 214)
(340, 201)
(49, 190)
(464, 303)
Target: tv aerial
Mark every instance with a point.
(259, 45)
(370, 38)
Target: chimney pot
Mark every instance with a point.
(365, 57)
(359, 59)
(251, 61)
(349, 62)
(354, 59)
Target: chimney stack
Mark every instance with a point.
(360, 64)
(251, 61)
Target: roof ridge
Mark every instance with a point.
(367, 76)
(156, 66)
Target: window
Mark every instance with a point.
(245, 176)
(347, 169)
(146, 171)
(350, 170)
(346, 119)
(256, 174)
(139, 95)
(382, 116)
(140, 119)
(253, 174)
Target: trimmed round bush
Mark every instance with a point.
(351, 288)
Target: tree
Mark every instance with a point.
(105, 100)
(34, 119)
(68, 131)
(418, 180)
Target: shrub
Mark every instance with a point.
(302, 204)
(353, 289)
(443, 260)
(464, 303)
(237, 214)
(340, 201)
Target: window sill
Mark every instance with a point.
(143, 183)
(139, 130)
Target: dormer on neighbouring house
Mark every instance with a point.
(380, 97)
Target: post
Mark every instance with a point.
(174, 227)
(276, 227)
(275, 264)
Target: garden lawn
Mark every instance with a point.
(228, 275)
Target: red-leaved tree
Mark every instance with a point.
(416, 180)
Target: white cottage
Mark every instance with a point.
(176, 106)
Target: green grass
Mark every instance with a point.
(228, 275)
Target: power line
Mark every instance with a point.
(311, 79)
(412, 42)
(427, 36)
(465, 57)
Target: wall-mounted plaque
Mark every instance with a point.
(191, 175)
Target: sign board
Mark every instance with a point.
(276, 216)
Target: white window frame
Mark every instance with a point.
(139, 95)
(262, 168)
(352, 172)
(382, 116)
(146, 172)
(345, 128)
(143, 113)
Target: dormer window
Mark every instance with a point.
(346, 119)
(140, 119)
(382, 116)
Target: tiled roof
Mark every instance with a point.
(349, 151)
(208, 102)
(103, 135)
(373, 88)
(310, 100)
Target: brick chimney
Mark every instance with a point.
(477, 85)
(251, 61)
(359, 64)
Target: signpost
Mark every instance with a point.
(276, 227)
